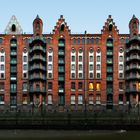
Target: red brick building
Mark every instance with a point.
(64, 71)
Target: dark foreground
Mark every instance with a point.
(67, 135)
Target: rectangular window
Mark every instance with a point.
(72, 99)
(50, 58)
(80, 99)
(61, 99)
(98, 75)
(13, 100)
(98, 67)
(120, 85)
(1, 99)
(91, 86)
(98, 86)
(13, 87)
(91, 67)
(90, 75)
(98, 58)
(25, 59)
(80, 86)
(24, 100)
(72, 75)
(25, 67)
(2, 58)
(2, 67)
(1, 86)
(120, 67)
(49, 99)
(2, 75)
(73, 67)
(73, 58)
(50, 86)
(90, 99)
(80, 58)
(25, 75)
(25, 87)
(80, 67)
(50, 67)
(91, 58)
(98, 99)
(120, 75)
(80, 75)
(121, 58)
(49, 75)
(73, 86)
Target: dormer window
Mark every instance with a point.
(110, 27)
(62, 27)
(13, 28)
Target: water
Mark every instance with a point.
(68, 135)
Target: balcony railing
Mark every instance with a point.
(61, 90)
(109, 44)
(13, 53)
(13, 45)
(36, 67)
(61, 44)
(37, 58)
(109, 78)
(37, 48)
(36, 77)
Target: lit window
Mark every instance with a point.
(98, 86)
(72, 99)
(91, 87)
(80, 99)
(139, 86)
(49, 99)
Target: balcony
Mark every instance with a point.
(37, 90)
(109, 61)
(109, 70)
(109, 90)
(132, 90)
(13, 78)
(13, 62)
(109, 53)
(38, 58)
(109, 44)
(13, 45)
(133, 77)
(61, 70)
(37, 67)
(13, 90)
(37, 77)
(61, 90)
(61, 53)
(109, 78)
(61, 61)
(133, 48)
(37, 48)
(61, 78)
(61, 44)
(13, 53)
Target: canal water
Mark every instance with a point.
(68, 135)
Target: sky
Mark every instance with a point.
(80, 15)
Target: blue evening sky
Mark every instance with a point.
(80, 15)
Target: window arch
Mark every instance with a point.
(13, 28)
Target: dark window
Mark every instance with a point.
(120, 75)
(80, 75)
(80, 86)
(92, 40)
(74, 41)
(121, 97)
(88, 41)
(50, 58)
(25, 87)
(73, 75)
(110, 27)
(98, 75)
(24, 75)
(78, 40)
(13, 100)
(97, 40)
(25, 58)
(72, 85)
(120, 85)
(1, 40)
(49, 75)
(2, 76)
(62, 27)
(90, 75)
(49, 85)
(13, 28)
(1, 86)
(73, 58)
(83, 41)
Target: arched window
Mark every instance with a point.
(62, 27)
(110, 27)
(13, 28)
